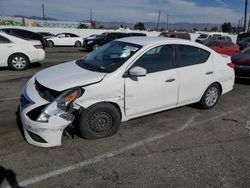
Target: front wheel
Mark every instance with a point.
(210, 97)
(99, 121)
(78, 44)
(50, 43)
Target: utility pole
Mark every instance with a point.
(159, 16)
(167, 21)
(245, 16)
(90, 17)
(43, 12)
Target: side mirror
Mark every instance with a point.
(137, 71)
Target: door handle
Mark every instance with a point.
(209, 72)
(170, 80)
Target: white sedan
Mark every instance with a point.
(64, 39)
(124, 79)
(18, 53)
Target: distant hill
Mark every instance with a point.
(36, 17)
(164, 25)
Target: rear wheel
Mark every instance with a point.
(98, 121)
(50, 43)
(78, 44)
(211, 96)
(18, 62)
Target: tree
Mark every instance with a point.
(226, 27)
(139, 26)
(214, 29)
(82, 26)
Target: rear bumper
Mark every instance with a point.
(37, 56)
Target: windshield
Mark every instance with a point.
(109, 57)
(203, 36)
(102, 35)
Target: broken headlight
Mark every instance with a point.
(61, 105)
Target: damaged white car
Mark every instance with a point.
(124, 79)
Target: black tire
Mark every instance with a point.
(99, 121)
(96, 46)
(78, 44)
(210, 96)
(18, 62)
(50, 43)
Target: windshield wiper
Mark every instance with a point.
(94, 67)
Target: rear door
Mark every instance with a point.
(196, 72)
(6, 48)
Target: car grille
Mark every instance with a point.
(46, 93)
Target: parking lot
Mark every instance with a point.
(183, 147)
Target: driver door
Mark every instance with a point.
(158, 89)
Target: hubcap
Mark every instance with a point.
(19, 62)
(101, 123)
(211, 96)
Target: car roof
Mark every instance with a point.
(144, 41)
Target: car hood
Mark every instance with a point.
(67, 75)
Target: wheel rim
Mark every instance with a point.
(211, 96)
(101, 123)
(95, 47)
(19, 62)
(78, 44)
(50, 44)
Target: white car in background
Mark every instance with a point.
(64, 39)
(123, 79)
(18, 53)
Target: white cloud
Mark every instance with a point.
(120, 10)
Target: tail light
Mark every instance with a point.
(231, 65)
(38, 46)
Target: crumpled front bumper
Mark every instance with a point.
(41, 134)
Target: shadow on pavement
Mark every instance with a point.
(9, 176)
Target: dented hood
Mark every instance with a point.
(67, 75)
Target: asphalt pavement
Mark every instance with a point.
(183, 147)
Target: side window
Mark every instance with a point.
(4, 40)
(157, 59)
(189, 55)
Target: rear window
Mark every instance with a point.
(4, 40)
(212, 44)
(189, 55)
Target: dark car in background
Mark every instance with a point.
(25, 34)
(244, 43)
(241, 62)
(180, 35)
(94, 43)
(46, 34)
(241, 37)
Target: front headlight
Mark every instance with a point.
(61, 105)
(89, 42)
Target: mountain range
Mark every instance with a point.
(148, 25)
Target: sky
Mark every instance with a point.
(130, 11)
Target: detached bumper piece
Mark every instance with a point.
(36, 137)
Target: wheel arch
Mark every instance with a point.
(20, 53)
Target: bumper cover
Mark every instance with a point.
(43, 134)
